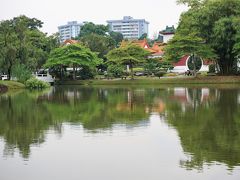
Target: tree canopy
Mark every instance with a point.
(128, 55)
(91, 28)
(98, 43)
(214, 25)
(21, 42)
(74, 55)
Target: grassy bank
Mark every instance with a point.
(155, 81)
(9, 85)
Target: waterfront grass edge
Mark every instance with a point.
(10, 85)
(154, 81)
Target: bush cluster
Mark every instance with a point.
(34, 83)
(21, 73)
(159, 74)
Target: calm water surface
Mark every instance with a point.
(72, 133)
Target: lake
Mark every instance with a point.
(121, 133)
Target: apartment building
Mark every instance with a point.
(130, 28)
(70, 30)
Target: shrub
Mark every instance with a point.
(86, 73)
(21, 73)
(115, 71)
(34, 83)
(159, 74)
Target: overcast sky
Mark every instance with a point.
(53, 13)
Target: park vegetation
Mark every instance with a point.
(23, 47)
(81, 59)
(210, 29)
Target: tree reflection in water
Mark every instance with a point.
(207, 120)
(208, 127)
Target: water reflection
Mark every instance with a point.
(208, 125)
(207, 120)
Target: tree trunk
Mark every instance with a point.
(74, 72)
(226, 66)
(131, 70)
(9, 72)
(61, 72)
(194, 66)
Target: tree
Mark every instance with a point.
(99, 39)
(217, 23)
(151, 66)
(21, 42)
(75, 56)
(117, 37)
(128, 55)
(98, 43)
(91, 28)
(190, 3)
(189, 44)
(8, 51)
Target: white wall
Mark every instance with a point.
(166, 38)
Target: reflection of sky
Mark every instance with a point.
(147, 152)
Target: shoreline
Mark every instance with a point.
(212, 80)
(10, 85)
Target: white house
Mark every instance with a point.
(182, 65)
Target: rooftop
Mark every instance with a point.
(168, 30)
(127, 19)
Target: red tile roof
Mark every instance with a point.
(182, 61)
(70, 41)
(157, 48)
(142, 43)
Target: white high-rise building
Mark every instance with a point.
(130, 28)
(70, 30)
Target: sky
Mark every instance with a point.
(159, 13)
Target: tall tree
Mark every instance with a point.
(217, 23)
(8, 51)
(191, 45)
(21, 42)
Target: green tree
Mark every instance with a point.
(217, 23)
(115, 70)
(99, 39)
(22, 42)
(75, 56)
(8, 51)
(191, 44)
(128, 55)
(91, 28)
(98, 43)
(117, 37)
(151, 66)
